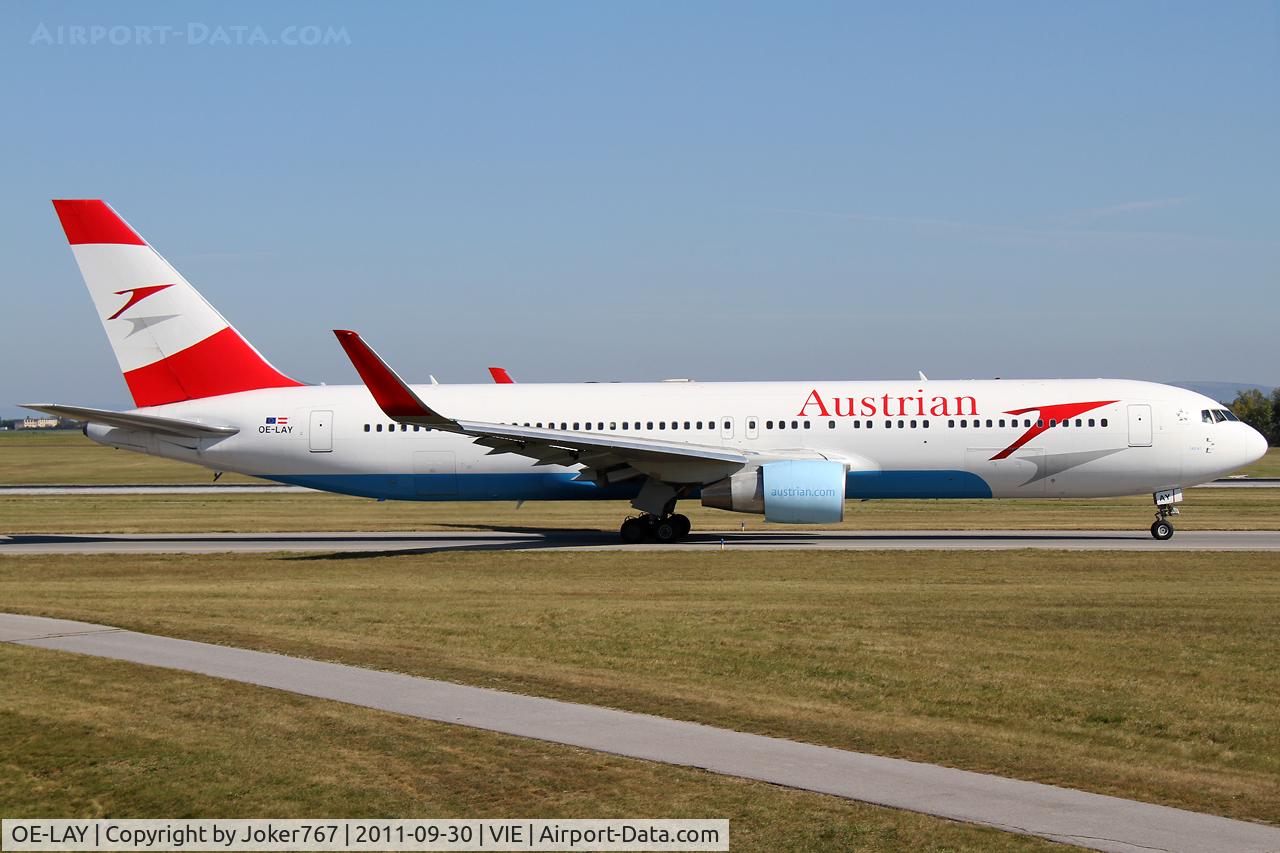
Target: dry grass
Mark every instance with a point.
(1150, 676)
(82, 737)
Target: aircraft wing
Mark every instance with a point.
(606, 458)
(131, 420)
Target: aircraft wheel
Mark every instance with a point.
(633, 531)
(1162, 530)
(683, 525)
(666, 531)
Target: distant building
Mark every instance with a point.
(39, 423)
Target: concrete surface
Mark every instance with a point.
(775, 539)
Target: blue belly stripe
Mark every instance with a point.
(540, 486)
(861, 485)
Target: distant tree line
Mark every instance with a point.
(1260, 412)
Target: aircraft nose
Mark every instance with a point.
(1255, 445)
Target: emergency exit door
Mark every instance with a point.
(320, 433)
(1140, 425)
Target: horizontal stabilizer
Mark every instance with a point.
(130, 420)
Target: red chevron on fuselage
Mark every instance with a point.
(1049, 416)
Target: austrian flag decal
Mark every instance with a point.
(277, 425)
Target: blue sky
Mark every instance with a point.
(645, 190)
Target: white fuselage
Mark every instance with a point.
(929, 439)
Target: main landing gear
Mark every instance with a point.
(668, 528)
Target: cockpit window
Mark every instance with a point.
(1218, 416)
(1206, 416)
(1229, 415)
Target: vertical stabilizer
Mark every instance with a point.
(170, 343)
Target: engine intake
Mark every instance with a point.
(806, 491)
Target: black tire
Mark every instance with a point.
(633, 531)
(683, 525)
(1162, 530)
(666, 531)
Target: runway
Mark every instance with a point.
(1029, 808)
(774, 540)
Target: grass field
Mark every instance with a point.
(1142, 675)
(92, 738)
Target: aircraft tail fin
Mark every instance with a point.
(170, 343)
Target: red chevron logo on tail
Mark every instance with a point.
(136, 295)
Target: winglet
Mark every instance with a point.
(393, 396)
(500, 376)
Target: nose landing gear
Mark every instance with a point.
(1162, 529)
(668, 528)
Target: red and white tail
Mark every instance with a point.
(171, 344)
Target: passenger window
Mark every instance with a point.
(699, 424)
(379, 427)
(750, 425)
(1053, 422)
(624, 425)
(913, 424)
(1039, 422)
(988, 423)
(613, 425)
(924, 424)
(662, 424)
(782, 424)
(951, 424)
(857, 424)
(1092, 422)
(870, 424)
(1104, 421)
(964, 424)
(831, 424)
(807, 424)
(888, 424)
(1078, 422)
(366, 427)
(902, 424)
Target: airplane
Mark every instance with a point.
(793, 452)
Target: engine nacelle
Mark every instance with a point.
(804, 491)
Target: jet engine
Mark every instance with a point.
(805, 491)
